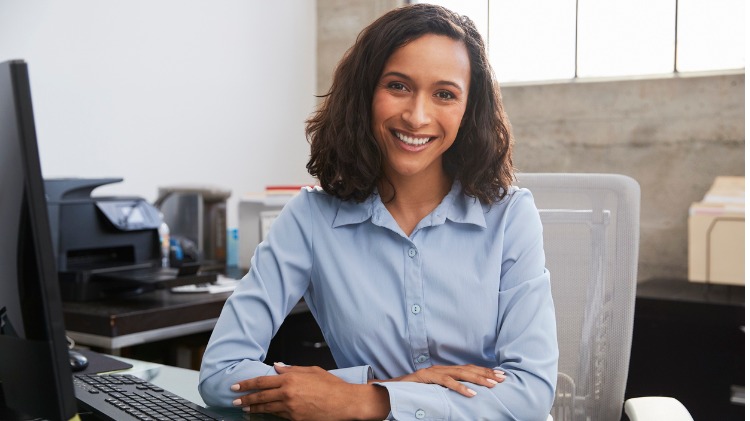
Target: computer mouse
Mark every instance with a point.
(78, 361)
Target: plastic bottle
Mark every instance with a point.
(164, 242)
(232, 244)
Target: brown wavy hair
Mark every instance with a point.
(344, 155)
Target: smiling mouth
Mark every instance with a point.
(412, 141)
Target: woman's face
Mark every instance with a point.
(418, 104)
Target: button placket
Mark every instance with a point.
(414, 295)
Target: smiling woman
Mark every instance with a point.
(346, 157)
(419, 260)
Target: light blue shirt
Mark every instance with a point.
(468, 286)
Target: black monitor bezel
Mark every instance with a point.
(43, 386)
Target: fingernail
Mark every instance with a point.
(280, 364)
(472, 392)
(235, 387)
(500, 374)
(237, 402)
(492, 381)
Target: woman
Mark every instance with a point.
(421, 263)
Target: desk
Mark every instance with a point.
(113, 324)
(116, 323)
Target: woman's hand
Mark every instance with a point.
(311, 393)
(450, 376)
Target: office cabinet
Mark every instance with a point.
(299, 341)
(689, 343)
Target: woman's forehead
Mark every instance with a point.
(431, 54)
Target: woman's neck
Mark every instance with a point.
(410, 199)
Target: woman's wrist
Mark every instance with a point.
(369, 402)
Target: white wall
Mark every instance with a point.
(168, 92)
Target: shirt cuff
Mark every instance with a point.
(416, 401)
(354, 375)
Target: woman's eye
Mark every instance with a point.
(397, 86)
(445, 95)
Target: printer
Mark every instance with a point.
(108, 246)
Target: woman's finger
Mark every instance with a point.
(489, 373)
(260, 397)
(257, 383)
(478, 375)
(451, 383)
(276, 407)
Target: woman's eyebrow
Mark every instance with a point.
(440, 82)
(396, 74)
(449, 83)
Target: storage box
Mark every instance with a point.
(716, 234)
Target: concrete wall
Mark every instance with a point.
(673, 134)
(339, 23)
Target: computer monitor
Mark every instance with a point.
(35, 375)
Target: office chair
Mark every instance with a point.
(591, 231)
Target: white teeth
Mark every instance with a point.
(414, 141)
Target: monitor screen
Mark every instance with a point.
(35, 374)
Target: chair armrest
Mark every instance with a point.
(653, 408)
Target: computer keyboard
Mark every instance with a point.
(123, 397)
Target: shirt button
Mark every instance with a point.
(412, 252)
(422, 358)
(420, 414)
(416, 309)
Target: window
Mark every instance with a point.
(710, 35)
(527, 45)
(536, 40)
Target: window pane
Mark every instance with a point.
(625, 37)
(532, 39)
(710, 35)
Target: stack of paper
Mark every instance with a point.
(716, 234)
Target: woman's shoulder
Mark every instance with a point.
(518, 203)
(317, 205)
(514, 196)
(311, 194)
(314, 198)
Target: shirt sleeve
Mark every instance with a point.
(278, 277)
(526, 347)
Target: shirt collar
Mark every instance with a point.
(456, 207)
(463, 209)
(351, 212)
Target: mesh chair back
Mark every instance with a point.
(591, 232)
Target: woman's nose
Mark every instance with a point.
(418, 112)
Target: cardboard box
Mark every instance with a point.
(716, 234)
